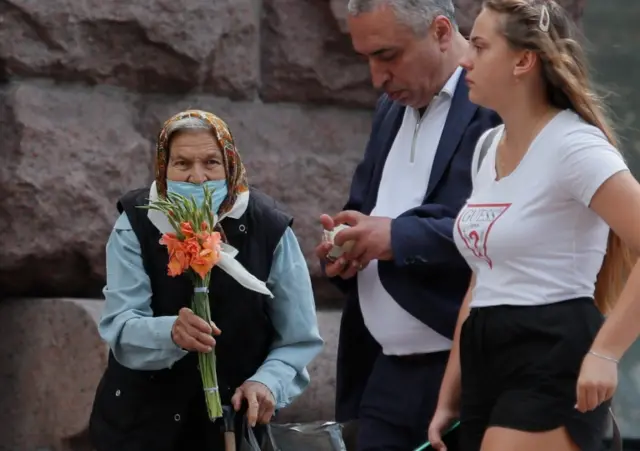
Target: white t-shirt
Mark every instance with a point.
(531, 237)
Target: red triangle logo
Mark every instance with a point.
(474, 225)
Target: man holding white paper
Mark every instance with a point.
(402, 274)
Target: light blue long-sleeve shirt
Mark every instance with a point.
(141, 342)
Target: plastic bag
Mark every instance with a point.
(317, 436)
(249, 442)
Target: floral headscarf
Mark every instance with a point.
(234, 169)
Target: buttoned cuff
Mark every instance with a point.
(405, 246)
(162, 332)
(272, 382)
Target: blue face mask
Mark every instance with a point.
(189, 190)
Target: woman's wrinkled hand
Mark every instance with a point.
(442, 420)
(597, 382)
(260, 400)
(192, 333)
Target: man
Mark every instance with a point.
(151, 396)
(403, 276)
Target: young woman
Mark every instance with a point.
(533, 367)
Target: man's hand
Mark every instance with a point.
(192, 333)
(262, 404)
(341, 266)
(371, 234)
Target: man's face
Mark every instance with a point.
(405, 65)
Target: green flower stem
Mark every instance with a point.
(207, 361)
(179, 210)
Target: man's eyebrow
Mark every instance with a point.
(475, 39)
(377, 52)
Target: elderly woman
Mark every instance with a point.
(151, 397)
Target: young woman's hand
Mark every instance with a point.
(442, 420)
(597, 382)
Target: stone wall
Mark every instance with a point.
(84, 88)
(87, 88)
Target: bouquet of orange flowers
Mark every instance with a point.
(194, 248)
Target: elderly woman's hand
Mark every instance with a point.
(260, 400)
(192, 333)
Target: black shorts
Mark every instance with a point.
(520, 366)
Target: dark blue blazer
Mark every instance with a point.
(427, 277)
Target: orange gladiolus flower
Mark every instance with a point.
(192, 246)
(171, 241)
(208, 256)
(199, 251)
(212, 241)
(203, 263)
(179, 261)
(180, 253)
(186, 229)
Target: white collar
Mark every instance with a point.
(447, 91)
(450, 86)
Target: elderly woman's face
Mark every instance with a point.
(195, 157)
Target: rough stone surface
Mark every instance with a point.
(65, 166)
(467, 10)
(51, 360)
(285, 50)
(158, 45)
(68, 154)
(318, 401)
(340, 14)
(306, 57)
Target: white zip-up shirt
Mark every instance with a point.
(403, 186)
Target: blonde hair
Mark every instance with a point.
(544, 27)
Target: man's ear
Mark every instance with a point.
(443, 31)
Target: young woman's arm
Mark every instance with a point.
(617, 201)
(448, 408)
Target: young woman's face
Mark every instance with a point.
(490, 62)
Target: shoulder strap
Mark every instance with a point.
(485, 147)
